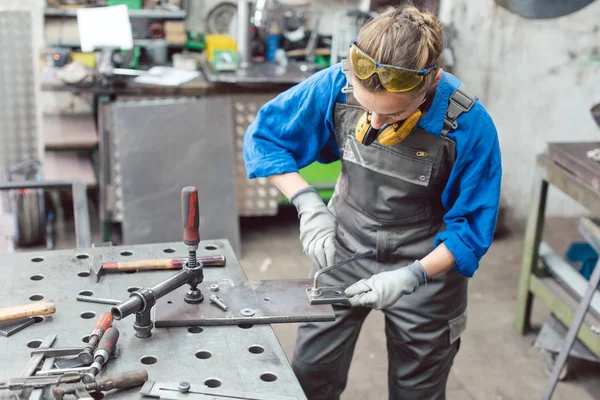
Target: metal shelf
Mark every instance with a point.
(137, 42)
(142, 13)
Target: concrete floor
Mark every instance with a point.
(494, 362)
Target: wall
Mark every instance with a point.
(537, 78)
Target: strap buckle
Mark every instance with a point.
(460, 102)
(346, 70)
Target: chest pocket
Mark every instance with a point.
(395, 183)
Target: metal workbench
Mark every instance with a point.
(229, 359)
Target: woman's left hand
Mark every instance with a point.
(384, 289)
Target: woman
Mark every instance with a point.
(420, 186)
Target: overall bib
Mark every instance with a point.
(388, 199)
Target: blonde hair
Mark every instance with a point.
(405, 37)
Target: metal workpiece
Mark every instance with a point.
(57, 352)
(248, 302)
(39, 381)
(194, 354)
(8, 328)
(320, 295)
(192, 391)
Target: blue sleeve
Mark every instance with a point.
(295, 128)
(472, 194)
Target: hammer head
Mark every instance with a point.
(96, 267)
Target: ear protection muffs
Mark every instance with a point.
(389, 134)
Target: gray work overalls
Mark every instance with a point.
(389, 199)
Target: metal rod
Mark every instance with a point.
(340, 264)
(35, 360)
(97, 300)
(243, 33)
(60, 352)
(62, 371)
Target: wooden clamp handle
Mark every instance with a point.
(27, 310)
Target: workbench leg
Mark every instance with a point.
(533, 236)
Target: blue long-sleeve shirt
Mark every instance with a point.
(296, 128)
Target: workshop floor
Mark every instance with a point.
(494, 361)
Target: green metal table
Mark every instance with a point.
(536, 281)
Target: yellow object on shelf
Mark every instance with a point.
(87, 59)
(218, 42)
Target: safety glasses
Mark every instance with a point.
(393, 79)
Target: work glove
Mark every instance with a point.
(317, 226)
(385, 288)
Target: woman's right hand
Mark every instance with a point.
(317, 226)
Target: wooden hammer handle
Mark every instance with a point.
(155, 263)
(27, 310)
(162, 263)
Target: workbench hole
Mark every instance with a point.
(203, 355)
(195, 329)
(126, 253)
(169, 302)
(37, 277)
(256, 349)
(85, 339)
(37, 320)
(267, 299)
(132, 289)
(82, 256)
(36, 297)
(169, 250)
(245, 326)
(86, 293)
(268, 377)
(37, 259)
(88, 315)
(34, 344)
(148, 360)
(212, 383)
(211, 247)
(97, 395)
(83, 274)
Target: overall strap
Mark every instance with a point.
(347, 90)
(460, 102)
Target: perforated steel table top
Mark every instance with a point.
(238, 359)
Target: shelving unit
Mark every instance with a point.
(143, 13)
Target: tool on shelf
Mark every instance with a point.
(27, 310)
(102, 325)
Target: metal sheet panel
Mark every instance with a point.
(20, 114)
(255, 196)
(248, 302)
(167, 144)
(235, 357)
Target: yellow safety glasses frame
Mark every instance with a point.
(392, 78)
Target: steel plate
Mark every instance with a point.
(249, 302)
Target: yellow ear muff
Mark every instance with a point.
(362, 126)
(396, 133)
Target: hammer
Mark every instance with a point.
(27, 310)
(125, 380)
(98, 268)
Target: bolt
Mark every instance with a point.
(184, 387)
(214, 287)
(214, 299)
